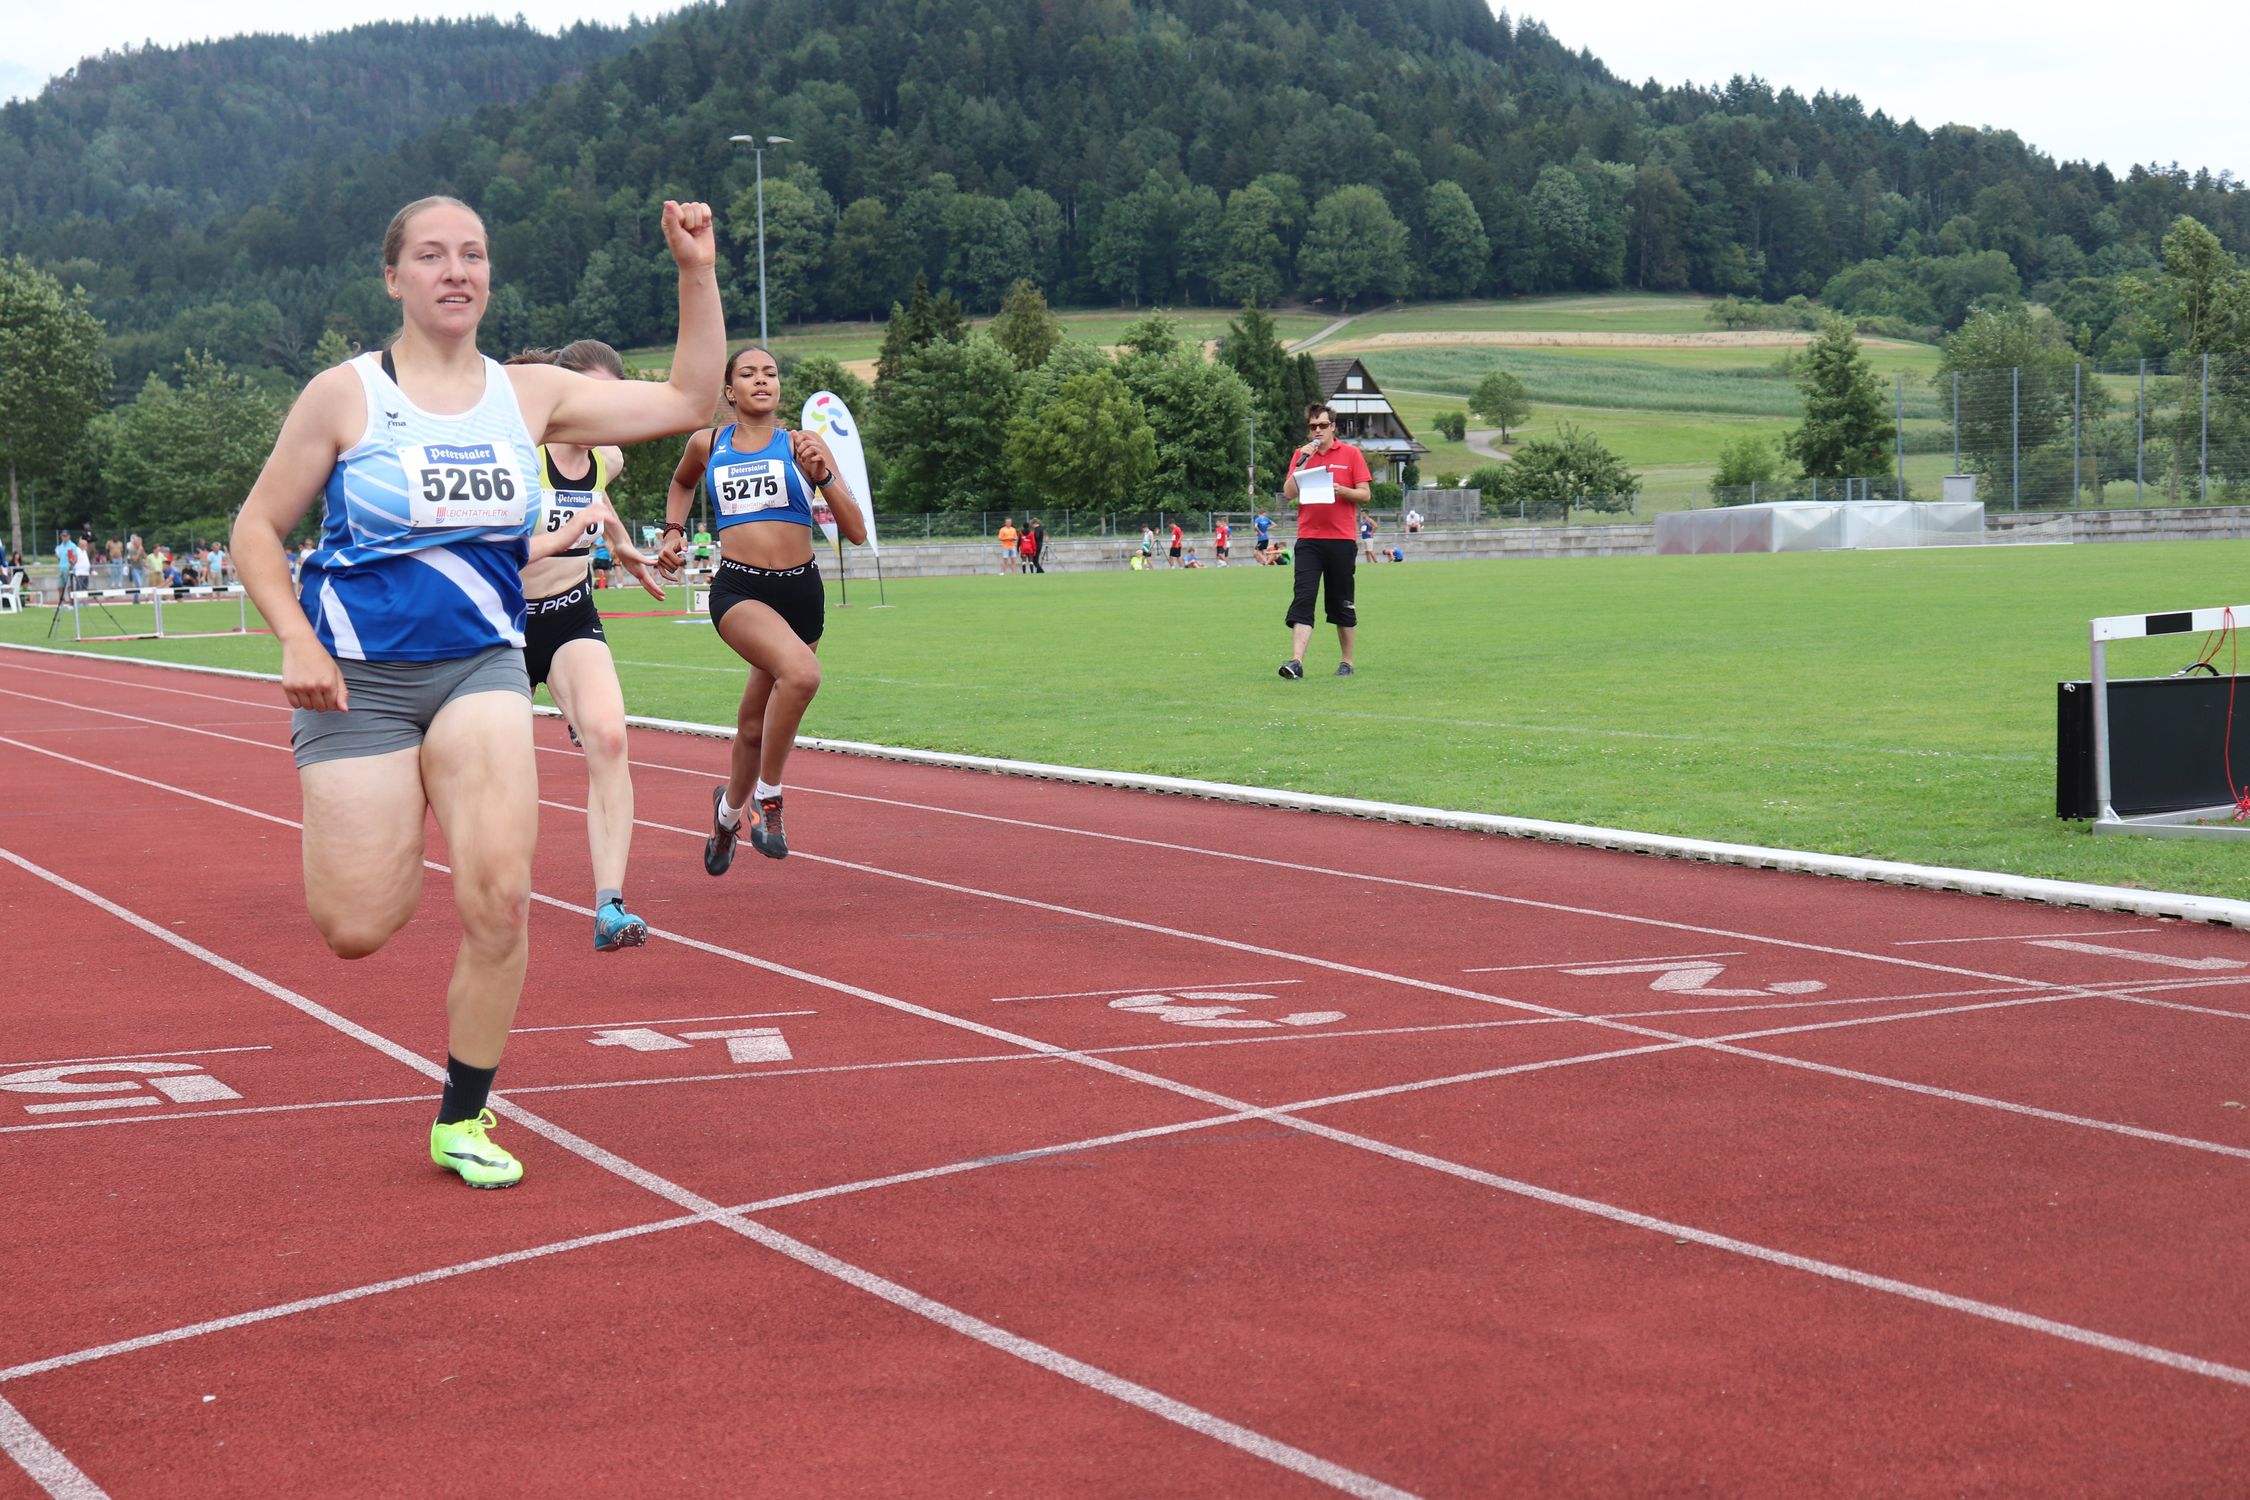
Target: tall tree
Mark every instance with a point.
(923, 320)
(1354, 247)
(1025, 328)
(2019, 388)
(1847, 432)
(1089, 444)
(1198, 412)
(53, 378)
(1572, 468)
(1455, 260)
(1501, 399)
(1253, 351)
(798, 215)
(990, 250)
(944, 422)
(1254, 267)
(2206, 293)
(869, 259)
(190, 455)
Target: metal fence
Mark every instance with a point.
(2064, 435)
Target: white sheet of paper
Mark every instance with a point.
(1316, 487)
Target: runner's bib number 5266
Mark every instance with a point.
(463, 484)
(753, 485)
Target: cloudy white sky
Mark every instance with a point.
(2076, 79)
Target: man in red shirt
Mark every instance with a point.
(1177, 536)
(1329, 482)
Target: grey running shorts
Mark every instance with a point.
(393, 702)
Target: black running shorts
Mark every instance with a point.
(552, 623)
(794, 594)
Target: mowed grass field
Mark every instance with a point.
(851, 342)
(1896, 705)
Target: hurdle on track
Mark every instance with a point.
(2213, 820)
(157, 598)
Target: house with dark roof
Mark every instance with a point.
(1364, 418)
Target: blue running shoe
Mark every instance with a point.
(615, 927)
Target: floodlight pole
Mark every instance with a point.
(757, 147)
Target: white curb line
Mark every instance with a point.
(2176, 904)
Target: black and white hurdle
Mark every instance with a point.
(156, 598)
(2212, 820)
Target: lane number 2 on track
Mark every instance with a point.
(1694, 976)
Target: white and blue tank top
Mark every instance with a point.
(426, 529)
(762, 484)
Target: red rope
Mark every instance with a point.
(2234, 651)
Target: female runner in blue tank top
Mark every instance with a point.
(403, 653)
(766, 596)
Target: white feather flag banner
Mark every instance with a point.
(826, 414)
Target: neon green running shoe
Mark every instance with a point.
(463, 1147)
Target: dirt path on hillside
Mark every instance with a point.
(1525, 339)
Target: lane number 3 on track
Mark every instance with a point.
(1201, 1008)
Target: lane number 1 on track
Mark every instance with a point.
(745, 1044)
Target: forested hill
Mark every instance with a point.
(1138, 151)
(190, 133)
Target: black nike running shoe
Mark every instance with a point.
(718, 849)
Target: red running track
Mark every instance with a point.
(1083, 1141)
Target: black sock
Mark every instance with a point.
(466, 1089)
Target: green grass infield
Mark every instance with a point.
(1892, 705)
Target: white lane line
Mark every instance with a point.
(57, 1062)
(755, 1015)
(2156, 1355)
(1220, 854)
(994, 1033)
(1144, 989)
(2020, 937)
(1079, 1372)
(1661, 958)
(580, 1242)
(1869, 1281)
(1288, 1038)
(247, 1319)
(1363, 877)
(1274, 1114)
(42, 1460)
(211, 1114)
(1097, 1379)
(2135, 955)
(2170, 904)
